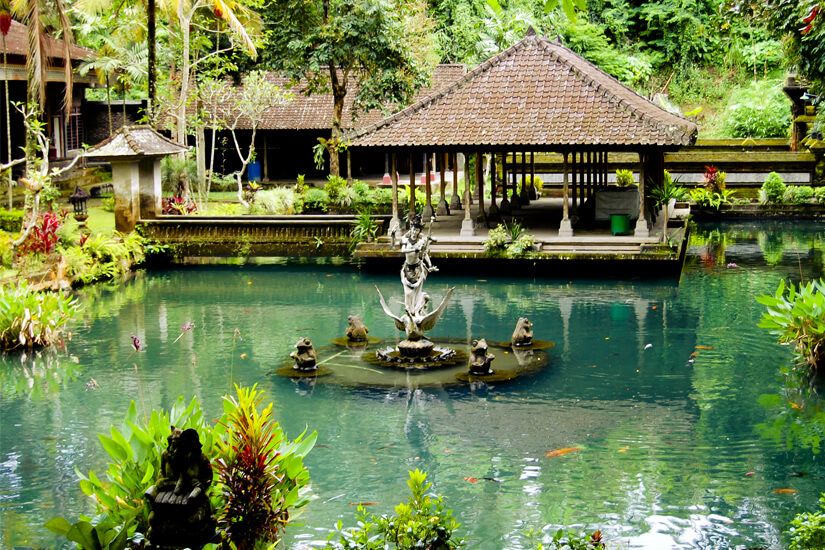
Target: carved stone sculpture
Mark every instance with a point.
(523, 335)
(480, 358)
(180, 511)
(304, 355)
(357, 330)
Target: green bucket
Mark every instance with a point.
(620, 224)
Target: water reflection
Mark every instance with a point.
(658, 384)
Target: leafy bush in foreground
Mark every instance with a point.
(798, 318)
(31, 319)
(808, 529)
(773, 189)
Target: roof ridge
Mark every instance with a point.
(549, 47)
(420, 104)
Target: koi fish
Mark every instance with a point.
(705, 347)
(471, 479)
(559, 452)
(785, 491)
(363, 503)
(794, 405)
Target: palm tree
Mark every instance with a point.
(5, 25)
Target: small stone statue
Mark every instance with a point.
(180, 511)
(523, 335)
(480, 358)
(305, 357)
(357, 330)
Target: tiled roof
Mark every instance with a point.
(17, 44)
(535, 93)
(314, 112)
(134, 141)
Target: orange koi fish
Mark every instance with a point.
(785, 491)
(559, 452)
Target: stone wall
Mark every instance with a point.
(96, 118)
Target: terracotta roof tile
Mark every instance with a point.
(535, 93)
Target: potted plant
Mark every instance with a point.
(625, 179)
(668, 193)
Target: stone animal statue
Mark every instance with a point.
(357, 330)
(480, 358)
(523, 335)
(180, 510)
(304, 355)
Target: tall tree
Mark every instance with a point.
(324, 44)
(802, 23)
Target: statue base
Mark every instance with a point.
(415, 348)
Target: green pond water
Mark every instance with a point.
(670, 391)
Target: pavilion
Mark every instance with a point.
(537, 96)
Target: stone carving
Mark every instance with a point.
(523, 335)
(180, 511)
(417, 266)
(357, 331)
(480, 358)
(304, 355)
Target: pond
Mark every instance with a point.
(673, 396)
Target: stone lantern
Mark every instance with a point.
(78, 200)
(135, 153)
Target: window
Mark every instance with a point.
(74, 129)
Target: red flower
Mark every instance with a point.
(5, 22)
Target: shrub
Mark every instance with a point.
(100, 257)
(278, 201)
(537, 183)
(798, 194)
(773, 189)
(109, 204)
(819, 195)
(511, 241)
(624, 178)
(32, 319)
(808, 529)
(708, 199)
(759, 112)
(315, 199)
(11, 221)
(261, 473)
(714, 179)
(382, 197)
(364, 229)
(422, 523)
(43, 237)
(6, 254)
(798, 318)
(334, 187)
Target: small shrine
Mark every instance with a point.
(135, 153)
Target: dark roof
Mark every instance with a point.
(535, 93)
(134, 141)
(17, 44)
(314, 112)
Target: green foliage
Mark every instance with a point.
(567, 540)
(11, 221)
(819, 195)
(510, 241)
(803, 33)
(335, 187)
(798, 318)
(6, 252)
(277, 201)
(109, 204)
(624, 178)
(365, 228)
(537, 183)
(808, 529)
(762, 55)
(590, 42)
(315, 199)
(175, 172)
(668, 190)
(100, 257)
(708, 199)
(798, 194)
(135, 451)
(759, 111)
(714, 179)
(32, 319)
(261, 473)
(773, 189)
(422, 523)
(97, 534)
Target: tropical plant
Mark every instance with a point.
(773, 189)
(708, 199)
(759, 111)
(798, 318)
(11, 220)
(668, 191)
(261, 473)
(100, 257)
(277, 201)
(798, 194)
(807, 530)
(422, 523)
(819, 195)
(32, 319)
(509, 240)
(43, 237)
(714, 179)
(624, 178)
(364, 230)
(566, 540)
(97, 534)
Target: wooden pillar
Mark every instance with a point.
(641, 224)
(396, 220)
(468, 228)
(481, 217)
(573, 171)
(412, 188)
(349, 166)
(266, 155)
(442, 209)
(427, 215)
(566, 228)
(515, 202)
(524, 196)
(505, 207)
(456, 200)
(533, 188)
(493, 212)
(589, 174)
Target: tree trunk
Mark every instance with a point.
(201, 163)
(151, 58)
(8, 124)
(339, 92)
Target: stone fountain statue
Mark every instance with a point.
(181, 514)
(480, 358)
(523, 335)
(357, 330)
(416, 319)
(304, 355)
